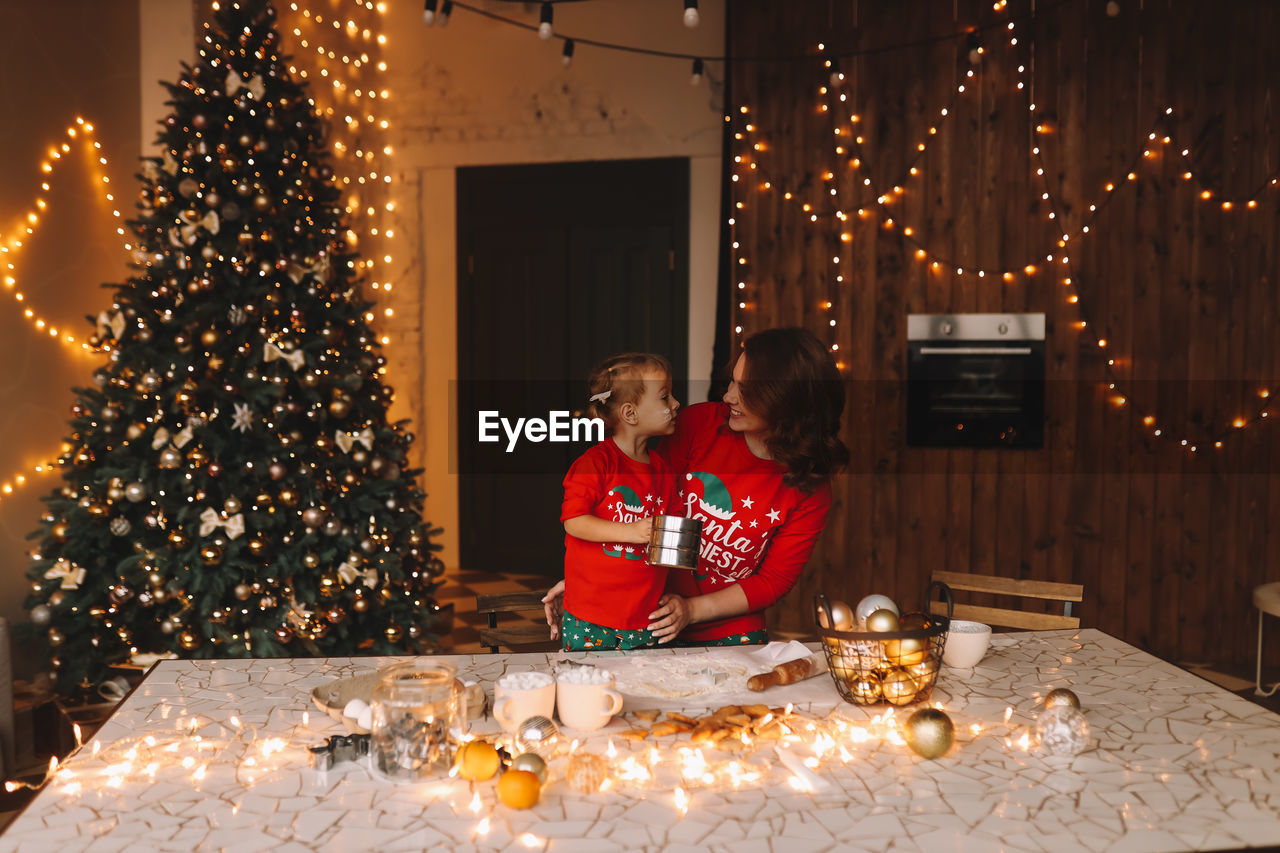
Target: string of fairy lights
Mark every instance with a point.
(349, 89)
(360, 152)
(81, 133)
(849, 149)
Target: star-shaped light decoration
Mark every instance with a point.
(242, 419)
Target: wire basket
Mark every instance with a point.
(897, 667)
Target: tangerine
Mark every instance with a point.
(519, 789)
(478, 761)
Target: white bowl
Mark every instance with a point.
(967, 643)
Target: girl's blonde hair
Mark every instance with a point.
(618, 380)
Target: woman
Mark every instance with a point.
(756, 470)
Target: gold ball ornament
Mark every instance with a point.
(866, 689)
(914, 621)
(394, 633)
(882, 621)
(906, 653)
(899, 687)
(478, 761)
(586, 772)
(533, 763)
(243, 591)
(1061, 697)
(841, 616)
(360, 605)
(188, 640)
(930, 733)
(519, 789)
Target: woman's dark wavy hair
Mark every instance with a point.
(791, 382)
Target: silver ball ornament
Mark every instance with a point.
(533, 763)
(538, 735)
(41, 615)
(1062, 730)
(871, 604)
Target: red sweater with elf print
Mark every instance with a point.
(756, 531)
(611, 584)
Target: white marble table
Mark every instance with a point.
(1178, 764)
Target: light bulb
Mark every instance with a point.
(429, 12)
(544, 19)
(566, 56)
(691, 16)
(696, 77)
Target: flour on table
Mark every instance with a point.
(678, 675)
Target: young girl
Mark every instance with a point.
(611, 494)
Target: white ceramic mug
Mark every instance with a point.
(586, 699)
(967, 643)
(520, 695)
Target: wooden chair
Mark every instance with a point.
(535, 635)
(1068, 593)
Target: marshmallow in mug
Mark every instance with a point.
(586, 675)
(524, 680)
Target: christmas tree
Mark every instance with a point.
(232, 484)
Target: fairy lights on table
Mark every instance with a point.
(849, 145)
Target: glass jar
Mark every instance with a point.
(417, 712)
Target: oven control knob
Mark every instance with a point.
(945, 327)
(1003, 328)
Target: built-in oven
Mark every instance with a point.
(975, 380)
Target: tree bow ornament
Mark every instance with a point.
(113, 323)
(272, 352)
(161, 439)
(211, 520)
(71, 574)
(347, 440)
(348, 573)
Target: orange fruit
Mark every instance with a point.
(519, 789)
(478, 761)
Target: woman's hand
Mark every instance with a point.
(553, 607)
(671, 617)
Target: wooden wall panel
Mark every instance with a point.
(1167, 542)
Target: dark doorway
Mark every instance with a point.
(559, 266)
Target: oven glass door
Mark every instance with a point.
(975, 394)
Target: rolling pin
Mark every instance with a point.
(784, 673)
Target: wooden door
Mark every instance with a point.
(559, 266)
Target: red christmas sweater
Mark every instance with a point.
(756, 531)
(611, 584)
